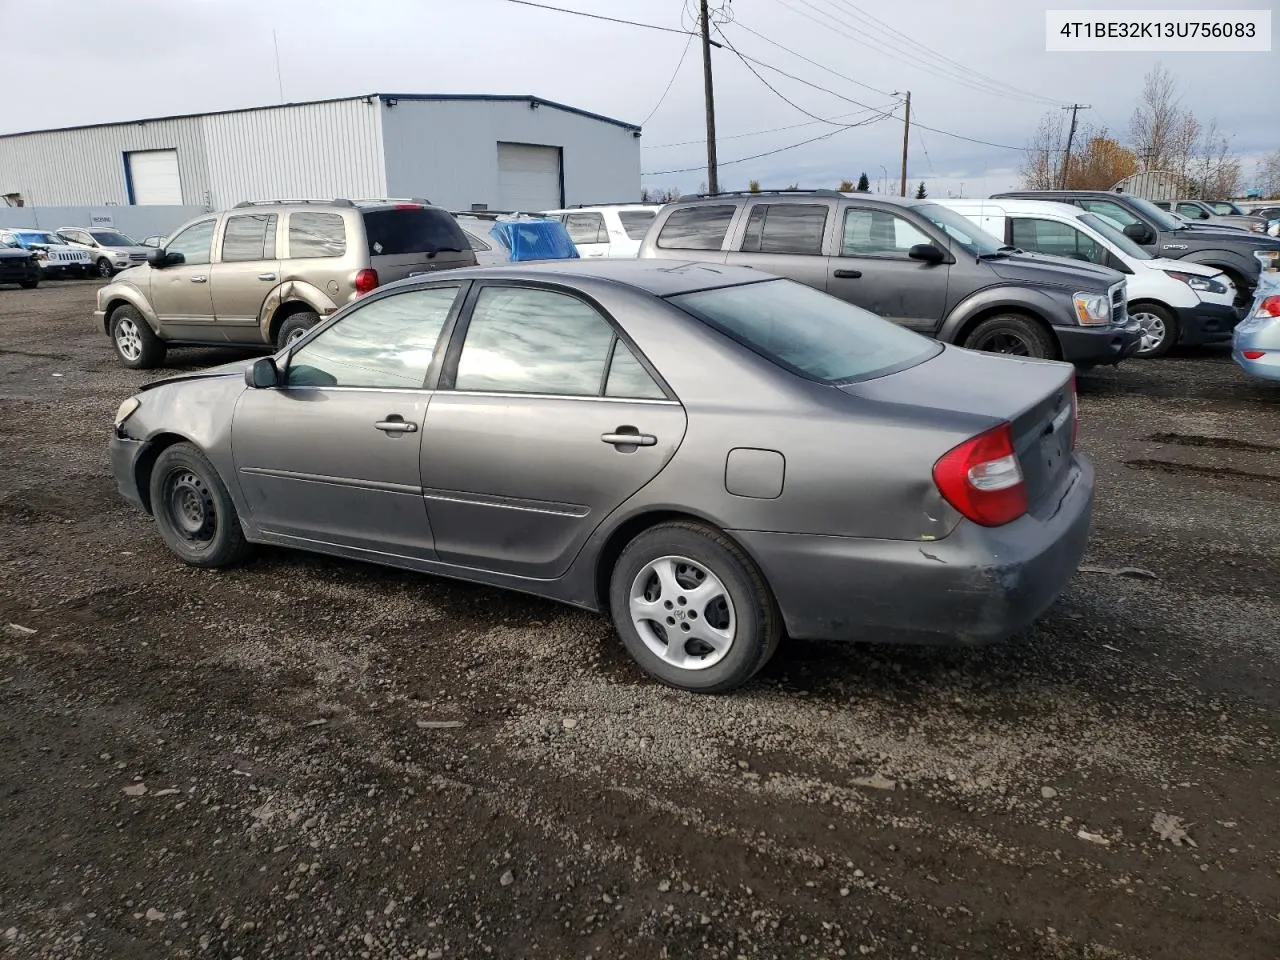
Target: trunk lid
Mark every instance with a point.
(1035, 396)
(410, 239)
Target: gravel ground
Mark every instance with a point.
(310, 757)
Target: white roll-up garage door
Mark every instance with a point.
(528, 177)
(153, 175)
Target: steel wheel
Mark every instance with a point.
(128, 339)
(1005, 342)
(190, 506)
(683, 613)
(1154, 331)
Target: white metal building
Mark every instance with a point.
(458, 151)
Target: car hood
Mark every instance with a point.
(1233, 235)
(1162, 264)
(1037, 268)
(233, 369)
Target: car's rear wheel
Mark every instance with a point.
(28, 284)
(1013, 335)
(193, 509)
(692, 609)
(1159, 330)
(103, 267)
(296, 327)
(136, 343)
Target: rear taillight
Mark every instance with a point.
(982, 479)
(366, 280)
(1253, 354)
(1269, 307)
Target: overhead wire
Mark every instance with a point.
(670, 83)
(767, 153)
(757, 133)
(596, 16)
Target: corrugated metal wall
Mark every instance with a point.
(86, 166)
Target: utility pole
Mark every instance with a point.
(713, 178)
(1071, 135)
(906, 136)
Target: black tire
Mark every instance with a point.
(136, 344)
(1012, 334)
(1159, 328)
(193, 509)
(28, 284)
(103, 268)
(295, 326)
(1244, 291)
(755, 620)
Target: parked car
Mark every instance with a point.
(516, 239)
(266, 272)
(713, 455)
(19, 266)
(489, 253)
(913, 262)
(1157, 232)
(1203, 211)
(1256, 345)
(608, 229)
(1172, 300)
(56, 257)
(111, 251)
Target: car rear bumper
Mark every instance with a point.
(978, 585)
(124, 465)
(1206, 323)
(1091, 346)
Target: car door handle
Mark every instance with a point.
(199, 279)
(266, 276)
(847, 274)
(629, 439)
(396, 426)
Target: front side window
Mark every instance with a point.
(808, 332)
(696, 228)
(194, 243)
(1056, 240)
(786, 228)
(878, 233)
(249, 237)
(1192, 211)
(586, 228)
(316, 235)
(1222, 208)
(386, 343)
(636, 222)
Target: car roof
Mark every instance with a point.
(1015, 204)
(661, 278)
(799, 196)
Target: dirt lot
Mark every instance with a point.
(302, 798)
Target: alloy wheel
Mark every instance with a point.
(683, 613)
(128, 339)
(104, 268)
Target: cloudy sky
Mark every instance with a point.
(125, 59)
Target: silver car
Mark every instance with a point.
(110, 250)
(715, 456)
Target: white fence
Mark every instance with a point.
(133, 221)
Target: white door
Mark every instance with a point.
(528, 177)
(154, 177)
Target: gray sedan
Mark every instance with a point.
(715, 456)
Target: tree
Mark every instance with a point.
(702, 188)
(1101, 163)
(920, 191)
(1268, 176)
(1162, 132)
(753, 186)
(1042, 163)
(864, 185)
(845, 186)
(1214, 173)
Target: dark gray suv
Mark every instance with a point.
(913, 262)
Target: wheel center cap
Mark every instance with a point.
(678, 614)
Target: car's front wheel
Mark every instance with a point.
(1011, 334)
(692, 608)
(136, 343)
(194, 511)
(1159, 330)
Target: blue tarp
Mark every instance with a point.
(534, 240)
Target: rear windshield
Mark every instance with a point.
(422, 230)
(636, 222)
(807, 332)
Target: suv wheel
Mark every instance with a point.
(1159, 330)
(296, 327)
(136, 343)
(1011, 334)
(104, 268)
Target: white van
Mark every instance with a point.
(608, 229)
(1175, 301)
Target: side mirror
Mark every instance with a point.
(1139, 232)
(926, 252)
(160, 258)
(262, 374)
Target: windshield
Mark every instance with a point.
(412, 230)
(48, 239)
(1153, 213)
(807, 332)
(1106, 227)
(962, 230)
(109, 238)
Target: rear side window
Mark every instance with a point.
(586, 228)
(786, 228)
(636, 222)
(397, 232)
(696, 228)
(317, 235)
(249, 238)
(808, 332)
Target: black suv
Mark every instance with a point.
(1163, 235)
(913, 262)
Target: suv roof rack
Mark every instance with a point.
(421, 200)
(614, 203)
(333, 202)
(817, 192)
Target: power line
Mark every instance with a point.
(767, 153)
(757, 133)
(772, 88)
(670, 83)
(835, 73)
(597, 16)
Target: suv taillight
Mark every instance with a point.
(982, 478)
(366, 280)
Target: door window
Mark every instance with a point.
(586, 228)
(194, 243)
(526, 340)
(696, 228)
(1056, 240)
(316, 235)
(1192, 211)
(878, 233)
(386, 343)
(786, 228)
(636, 222)
(250, 237)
